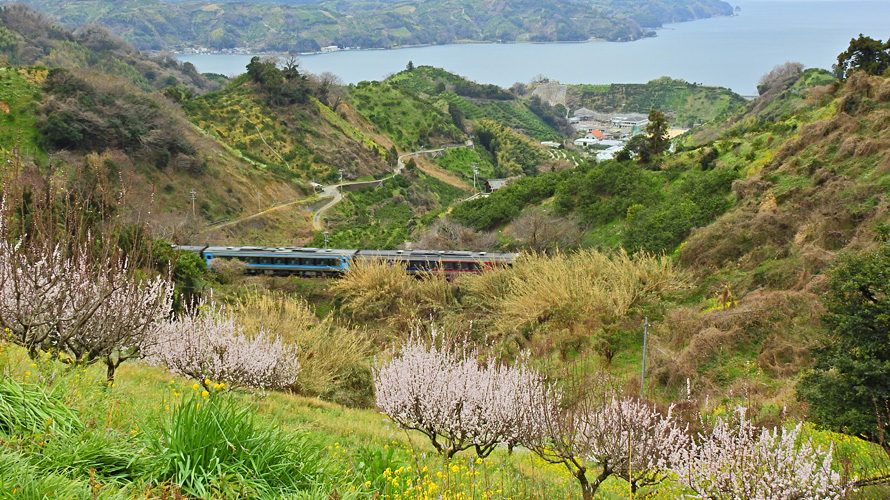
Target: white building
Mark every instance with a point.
(630, 121)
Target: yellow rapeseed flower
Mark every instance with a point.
(196, 387)
(204, 394)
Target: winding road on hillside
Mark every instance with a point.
(333, 191)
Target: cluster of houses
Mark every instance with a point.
(606, 134)
(603, 134)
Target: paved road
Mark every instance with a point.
(333, 191)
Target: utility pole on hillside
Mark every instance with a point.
(192, 196)
(475, 171)
(643, 370)
(325, 240)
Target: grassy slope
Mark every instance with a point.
(307, 142)
(476, 101)
(816, 166)
(362, 453)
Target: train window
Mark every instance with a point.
(451, 266)
(265, 260)
(253, 260)
(278, 261)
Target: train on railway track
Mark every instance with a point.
(305, 261)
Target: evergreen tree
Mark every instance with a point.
(849, 387)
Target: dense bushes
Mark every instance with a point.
(88, 114)
(505, 204)
(513, 155)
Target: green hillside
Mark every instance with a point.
(687, 104)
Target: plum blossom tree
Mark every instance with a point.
(589, 428)
(458, 402)
(740, 460)
(60, 295)
(207, 342)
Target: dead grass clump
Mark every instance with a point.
(781, 358)
(848, 147)
(882, 94)
(867, 148)
(882, 121)
(815, 258)
(816, 94)
(373, 289)
(561, 290)
(329, 354)
(704, 347)
(780, 324)
(861, 82)
(678, 327)
(751, 187)
(736, 236)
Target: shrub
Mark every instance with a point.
(330, 355)
(376, 289)
(212, 442)
(563, 289)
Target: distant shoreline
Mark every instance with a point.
(246, 51)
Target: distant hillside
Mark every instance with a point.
(687, 104)
(289, 27)
(29, 38)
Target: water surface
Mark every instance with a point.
(731, 52)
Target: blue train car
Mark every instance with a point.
(282, 260)
(328, 262)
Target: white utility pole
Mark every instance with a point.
(192, 196)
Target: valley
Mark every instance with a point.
(712, 298)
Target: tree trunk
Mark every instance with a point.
(109, 372)
(587, 489)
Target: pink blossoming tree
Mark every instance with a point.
(458, 402)
(737, 459)
(207, 342)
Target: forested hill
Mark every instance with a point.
(286, 27)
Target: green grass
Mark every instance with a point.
(21, 94)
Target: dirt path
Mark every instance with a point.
(440, 173)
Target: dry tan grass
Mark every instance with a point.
(381, 292)
(587, 287)
(373, 289)
(327, 352)
(780, 322)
